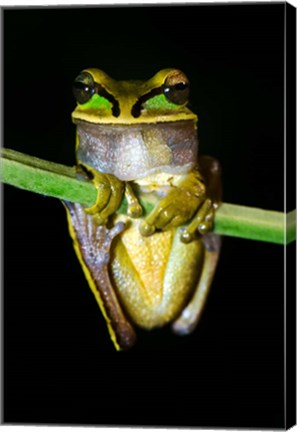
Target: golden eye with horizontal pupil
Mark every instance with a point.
(177, 88)
(83, 87)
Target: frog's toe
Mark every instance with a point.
(164, 219)
(186, 236)
(134, 210)
(202, 222)
(161, 220)
(146, 229)
(149, 225)
(207, 224)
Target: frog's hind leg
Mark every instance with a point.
(92, 245)
(191, 314)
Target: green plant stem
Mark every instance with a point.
(55, 180)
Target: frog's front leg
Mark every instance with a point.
(188, 199)
(109, 196)
(110, 192)
(178, 207)
(203, 220)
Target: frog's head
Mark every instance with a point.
(102, 100)
(135, 128)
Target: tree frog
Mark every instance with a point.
(138, 139)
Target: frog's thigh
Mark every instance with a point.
(191, 314)
(155, 276)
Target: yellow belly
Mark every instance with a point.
(155, 276)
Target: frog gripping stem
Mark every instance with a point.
(139, 139)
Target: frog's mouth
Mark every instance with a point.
(134, 151)
(127, 118)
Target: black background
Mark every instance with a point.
(59, 364)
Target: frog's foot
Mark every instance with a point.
(174, 210)
(110, 193)
(202, 222)
(92, 244)
(191, 314)
(134, 207)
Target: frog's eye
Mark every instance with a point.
(83, 87)
(176, 88)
